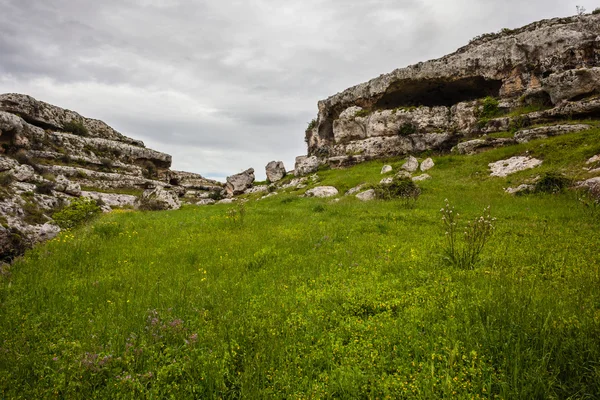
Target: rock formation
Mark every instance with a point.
(539, 74)
(275, 171)
(237, 184)
(49, 156)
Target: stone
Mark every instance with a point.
(257, 189)
(191, 181)
(504, 168)
(592, 160)
(386, 169)
(411, 164)
(403, 175)
(427, 165)
(112, 200)
(205, 202)
(226, 201)
(322, 191)
(10, 125)
(306, 165)
(572, 83)
(472, 146)
(275, 171)
(355, 189)
(590, 183)
(237, 184)
(23, 173)
(7, 163)
(66, 186)
(386, 181)
(525, 135)
(158, 199)
(421, 178)
(524, 188)
(367, 195)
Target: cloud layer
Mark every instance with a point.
(227, 85)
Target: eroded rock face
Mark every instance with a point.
(50, 154)
(237, 184)
(544, 132)
(553, 64)
(275, 171)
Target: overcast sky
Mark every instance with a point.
(228, 85)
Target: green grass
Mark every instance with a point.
(309, 298)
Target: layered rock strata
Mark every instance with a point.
(49, 156)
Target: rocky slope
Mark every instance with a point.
(50, 156)
(540, 74)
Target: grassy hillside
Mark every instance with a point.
(309, 298)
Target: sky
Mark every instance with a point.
(223, 86)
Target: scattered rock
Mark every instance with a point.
(275, 171)
(411, 165)
(306, 165)
(355, 189)
(386, 181)
(386, 169)
(237, 184)
(421, 178)
(158, 199)
(593, 160)
(367, 195)
(524, 188)
(403, 175)
(322, 191)
(427, 165)
(472, 146)
(257, 189)
(269, 195)
(226, 201)
(205, 202)
(590, 183)
(544, 132)
(504, 168)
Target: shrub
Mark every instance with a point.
(6, 179)
(596, 11)
(76, 128)
(464, 253)
(78, 212)
(400, 188)
(552, 182)
(319, 208)
(45, 187)
(489, 108)
(237, 214)
(150, 171)
(107, 164)
(311, 125)
(33, 214)
(407, 129)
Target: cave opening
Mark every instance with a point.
(437, 92)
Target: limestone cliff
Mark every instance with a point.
(541, 73)
(49, 156)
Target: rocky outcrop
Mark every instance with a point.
(237, 184)
(544, 132)
(50, 156)
(542, 73)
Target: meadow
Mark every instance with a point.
(299, 298)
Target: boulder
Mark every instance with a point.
(367, 195)
(23, 173)
(386, 169)
(10, 124)
(427, 165)
(593, 160)
(237, 184)
(322, 191)
(355, 189)
(504, 168)
(572, 83)
(275, 171)
(205, 202)
(158, 199)
(386, 181)
(111, 200)
(520, 189)
(7, 163)
(403, 175)
(306, 165)
(411, 164)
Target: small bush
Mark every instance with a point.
(150, 171)
(311, 125)
(80, 210)
(76, 128)
(400, 188)
(489, 108)
(596, 11)
(6, 179)
(552, 183)
(33, 214)
(107, 164)
(319, 208)
(237, 214)
(45, 187)
(463, 251)
(23, 158)
(407, 129)
(216, 195)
